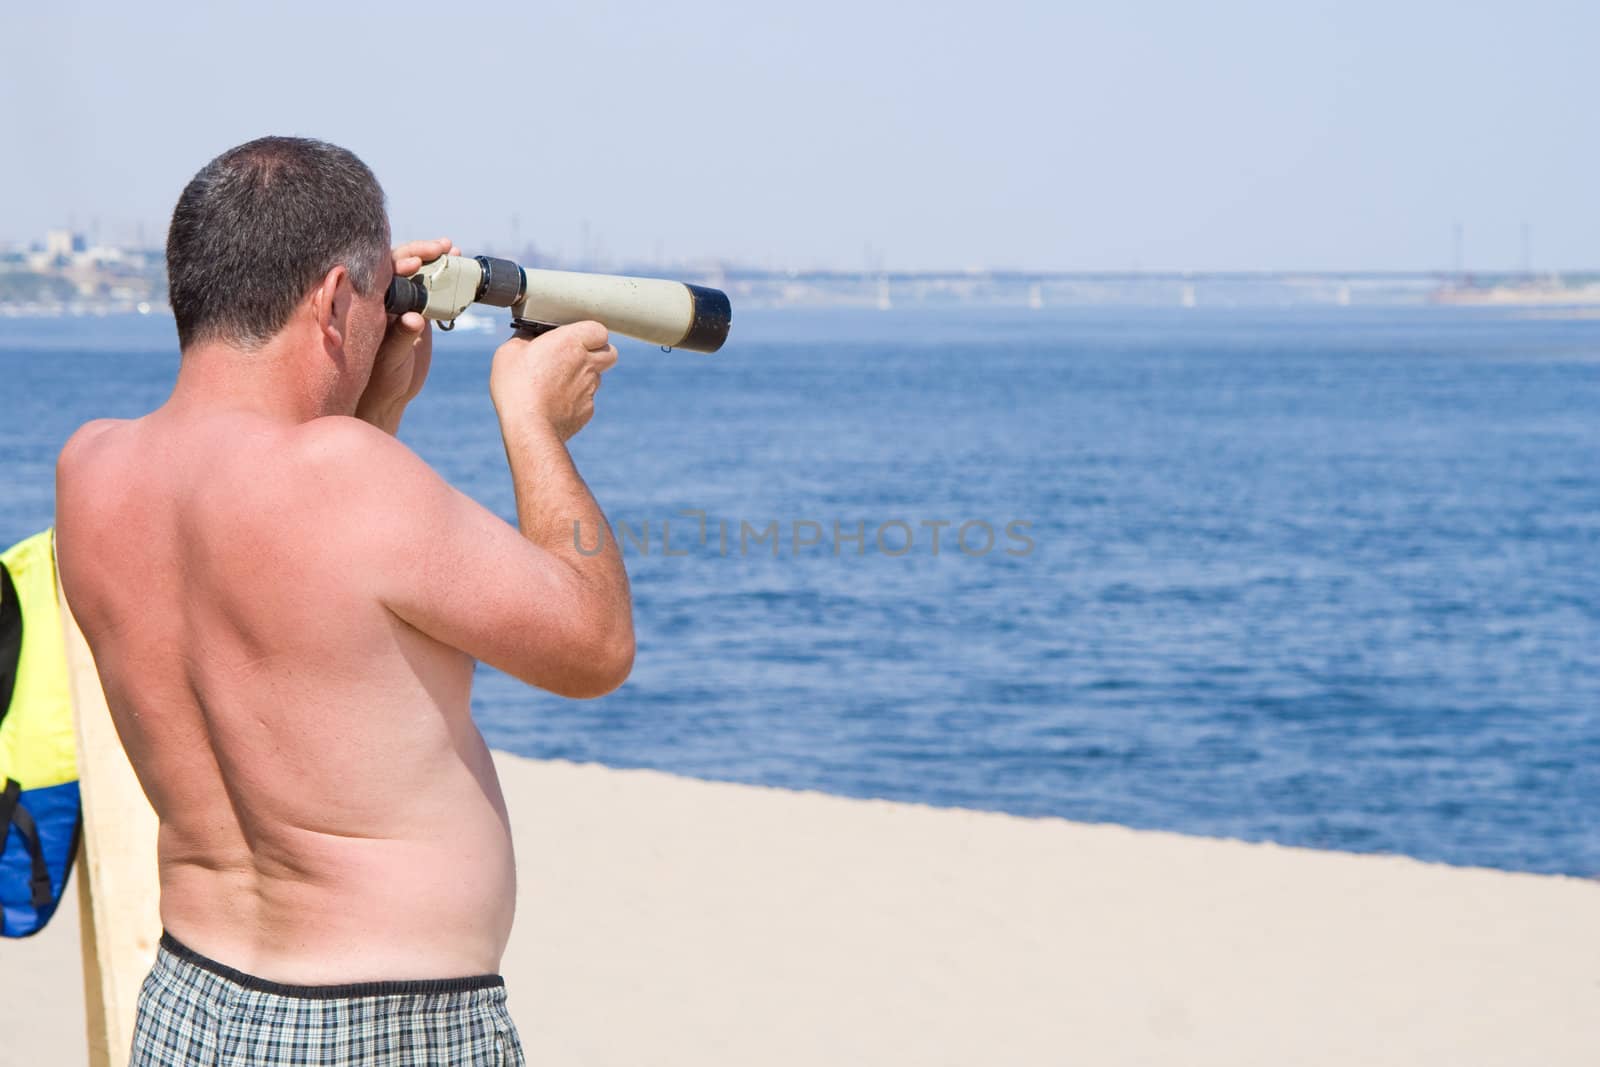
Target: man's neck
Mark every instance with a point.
(278, 381)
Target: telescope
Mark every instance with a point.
(667, 313)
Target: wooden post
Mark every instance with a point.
(119, 890)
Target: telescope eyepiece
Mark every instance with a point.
(405, 294)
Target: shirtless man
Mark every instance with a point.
(284, 605)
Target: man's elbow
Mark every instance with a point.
(605, 668)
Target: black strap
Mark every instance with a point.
(8, 803)
(10, 638)
(19, 816)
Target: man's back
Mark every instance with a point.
(328, 810)
(285, 603)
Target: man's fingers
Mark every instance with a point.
(437, 244)
(424, 251)
(606, 358)
(404, 331)
(592, 335)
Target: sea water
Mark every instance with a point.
(1322, 577)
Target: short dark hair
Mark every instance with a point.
(259, 226)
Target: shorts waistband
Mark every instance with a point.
(419, 987)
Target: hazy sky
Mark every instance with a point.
(1132, 133)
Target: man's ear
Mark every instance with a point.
(330, 304)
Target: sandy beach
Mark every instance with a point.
(663, 920)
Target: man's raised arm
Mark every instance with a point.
(544, 393)
(523, 600)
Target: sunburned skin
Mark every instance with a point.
(285, 604)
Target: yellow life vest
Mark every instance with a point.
(40, 816)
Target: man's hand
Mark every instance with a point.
(401, 365)
(549, 383)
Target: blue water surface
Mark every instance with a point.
(1323, 577)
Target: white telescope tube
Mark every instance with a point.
(662, 312)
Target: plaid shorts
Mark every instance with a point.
(193, 1010)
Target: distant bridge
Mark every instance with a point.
(1273, 277)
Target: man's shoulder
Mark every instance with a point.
(88, 459)
(351, 467)
(336, 447)
(92, 501)
(88, 440)
(338, 439)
